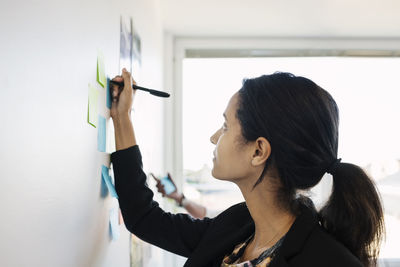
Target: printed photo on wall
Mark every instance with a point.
(125, 58)
(136, 53)
(130, 48)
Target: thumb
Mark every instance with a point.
(169, 176)
(127, 82)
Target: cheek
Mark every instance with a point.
(228, 162)
(221, 159)
(221, 148)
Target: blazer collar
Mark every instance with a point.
(297, 235)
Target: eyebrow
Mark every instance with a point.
(225, 116)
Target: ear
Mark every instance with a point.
(261, 151)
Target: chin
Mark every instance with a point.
(216, 176)
(213, 174)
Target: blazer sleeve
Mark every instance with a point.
(177, 233)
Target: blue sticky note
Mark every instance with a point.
(108, 94)
(107, 180)
(114, 227)
(101, 134)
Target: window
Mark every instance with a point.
(367, 91)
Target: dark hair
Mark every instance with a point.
(300, 120)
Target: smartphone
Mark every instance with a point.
(169, 187)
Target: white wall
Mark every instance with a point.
(52, 211)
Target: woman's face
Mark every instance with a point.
(232, 160)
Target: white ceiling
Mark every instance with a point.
(282, 18)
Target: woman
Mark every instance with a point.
(280, 135)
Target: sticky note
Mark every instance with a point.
(92, 105)
(103, 188)
(101, 72)
(108, 94)
(114, 226)
(107, 180)
(101, 134)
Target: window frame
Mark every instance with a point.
(176, 49)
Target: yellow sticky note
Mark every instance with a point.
(101, 72)
(92, 106)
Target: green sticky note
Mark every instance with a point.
(101, 72)
(92, 106)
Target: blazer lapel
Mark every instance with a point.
(227, 231)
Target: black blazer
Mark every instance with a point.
(205, 242)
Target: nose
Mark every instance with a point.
(215, 136)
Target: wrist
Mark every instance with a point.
(124, 134)
(121, 120)
(180, 200)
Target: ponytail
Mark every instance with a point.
(353, 213)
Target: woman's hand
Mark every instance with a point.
(122, 98)
(120, 111)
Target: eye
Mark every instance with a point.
(224, 126)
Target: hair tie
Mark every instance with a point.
(333, 167)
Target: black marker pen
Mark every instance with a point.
(151, 91)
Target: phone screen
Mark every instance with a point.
(168, 185)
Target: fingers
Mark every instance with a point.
(158, 180)
(118, 78)
(169, 176)
(115, 90)
(160, 189)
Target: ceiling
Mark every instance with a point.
(283, 18)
